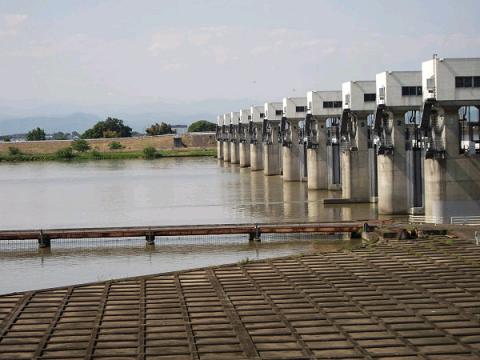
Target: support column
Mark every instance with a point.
(219, 149)
(234, 152)
(43, 241)
(226, 150)
(244, 154)
(354, 164)
(333, 167)
(256, 156)
(317, 173)
(391, 167)
(150, 239)
(452, 183)
(292, 153)
(272, 152)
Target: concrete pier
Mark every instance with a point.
(354, 161)
(219, 136)
(358, 103)
(245, 134)
(452, 178)
(256, 147)
(391, 162)
(333, 155)
(294, 111)
(272, 149)
(322, 105)
(226, 138)
(452, 161)
(399, 93)
(235, 138)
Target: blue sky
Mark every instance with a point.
(116, 52)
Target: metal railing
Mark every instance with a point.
(422, 219)
(465, 220)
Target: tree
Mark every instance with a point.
(202, 125)
(36, 135)
(60, 136)
(80, 145)
(160, 129)
(111, 127)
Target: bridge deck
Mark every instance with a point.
(401, 300)
(184, 230)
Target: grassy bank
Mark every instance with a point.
(110, 155)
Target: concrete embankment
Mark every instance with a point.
(133, 144)
(398, 299)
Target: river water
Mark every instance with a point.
(159, 192)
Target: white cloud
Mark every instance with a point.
(10, 24)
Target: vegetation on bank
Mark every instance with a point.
(202, 125)
(69, 154)
(109, 128)
(159, 129)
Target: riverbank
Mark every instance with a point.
(106, 155)
(190, 144)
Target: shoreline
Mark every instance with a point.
(107, 155)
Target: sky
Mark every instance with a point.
(79, 55)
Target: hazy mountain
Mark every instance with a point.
(22, 116)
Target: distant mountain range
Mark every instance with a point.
(22, 116)
(82, 121)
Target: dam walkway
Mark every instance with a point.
(395, 300)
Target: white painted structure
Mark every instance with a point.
(244, 134)
(256, 148)
(226, 142)
(272, 149)
(234, 137)
(323, 165)
(358, 103)
(399, 164)
(440, 76)
(451, 173)
(355, 95)
(399, 89)
(220, 136)
(294, 111)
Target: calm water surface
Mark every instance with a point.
(137, 192)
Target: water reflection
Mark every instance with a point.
(167, 191)
(137, 192)
(80, 261)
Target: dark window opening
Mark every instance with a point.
(278, 112)
(467, 81)
(300, 109)
(332, 104)
(369, 97)
(411, 90)
(262, 115)
(249, 117)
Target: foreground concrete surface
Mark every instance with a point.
(411, 299)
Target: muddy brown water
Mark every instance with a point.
(160, 192)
